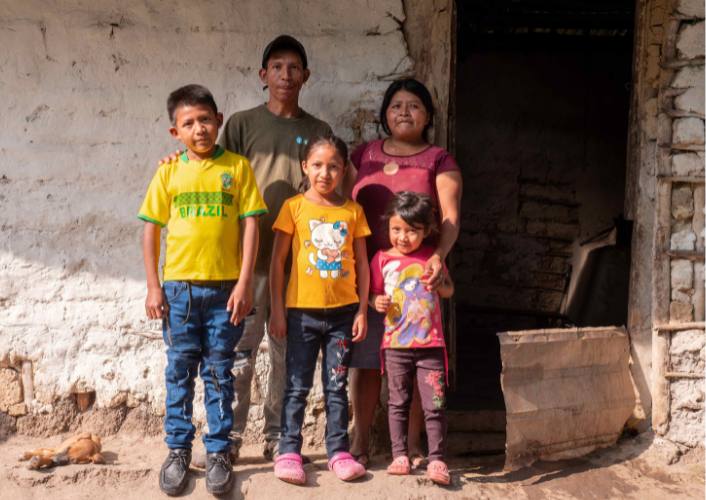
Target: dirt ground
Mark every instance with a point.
(634, 469)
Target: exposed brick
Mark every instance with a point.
(545, 191)
(548, 211)
(554, 264)
(557, 230)
(550, 281)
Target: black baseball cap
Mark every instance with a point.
(284, 42)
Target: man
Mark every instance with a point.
(273, 137)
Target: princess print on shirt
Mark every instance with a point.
(409, 320)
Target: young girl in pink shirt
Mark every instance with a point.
(413, 340)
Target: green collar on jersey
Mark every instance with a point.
(218, 152)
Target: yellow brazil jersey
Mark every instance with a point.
(201, 204)
(323, 262)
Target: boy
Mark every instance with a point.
(203, 197)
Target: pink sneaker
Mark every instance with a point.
(288, 468)
(345, 467)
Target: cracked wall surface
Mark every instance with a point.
(84, 87)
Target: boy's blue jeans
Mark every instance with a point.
(200, 339)
(308, 331)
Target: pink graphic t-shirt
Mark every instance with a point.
(414, 318)
(381, 175)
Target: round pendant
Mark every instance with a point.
(391, 168)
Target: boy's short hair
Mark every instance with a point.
(190, 95)
(416, 209)
(284, 42)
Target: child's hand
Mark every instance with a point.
(154, 303)
(277, 326)
(360, 326)
(382, 303)
(239, 302)
(172, 157)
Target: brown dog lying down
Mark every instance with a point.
(80, 449)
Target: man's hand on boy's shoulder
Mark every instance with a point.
(240, 302)
(172, 157)
(154, 303)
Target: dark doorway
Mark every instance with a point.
(542, 95)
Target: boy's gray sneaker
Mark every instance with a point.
(219, 473)
(173, 474)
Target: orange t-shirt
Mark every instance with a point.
(323, 262)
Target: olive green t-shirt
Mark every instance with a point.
(275, 147)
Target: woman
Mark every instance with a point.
(404, 161)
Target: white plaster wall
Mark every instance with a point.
(83, 121)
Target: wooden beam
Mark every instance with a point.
(677, 327)
(684, 254)
(677, 375)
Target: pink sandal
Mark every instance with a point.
(438, 472)
(288, 468)
(345, 467)
(399, 466)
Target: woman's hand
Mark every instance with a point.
(382, 303)
(433, 275)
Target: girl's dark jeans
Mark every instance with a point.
(308, 332)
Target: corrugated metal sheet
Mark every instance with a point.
(567, 391)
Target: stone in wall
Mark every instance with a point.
(690, 41)
(688, 164)
(691, 101)
(688, 131)
(687, 351)
(683, 237)
(11, 393)
(682, 202)
(689, 76)
(682, 278)
(691, 8)
(686, 425)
